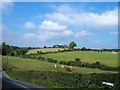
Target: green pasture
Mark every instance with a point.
(0, 61)
(22, 64)
(107, 58)
(44, 50)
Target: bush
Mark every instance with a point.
(77, 59)
(38, 52)
(26, 56)
(71, 63)
(54, 61)
(63, 62)
(40, 58)
(72, 80)
(58, 50)
(51, 60)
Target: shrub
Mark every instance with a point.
(63, 62)
(72, 80)
(40, 58)
(58, 50)
(72, 63)
(97, 63)
(54, 61)
(26, 56)
(51, 60)
(77, 59)
(38, 52)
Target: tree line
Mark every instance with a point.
(12, 50)
(6, 49)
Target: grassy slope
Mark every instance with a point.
(0, 61)
(106, 58)
(44, 50)
(22, 64)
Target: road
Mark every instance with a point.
(10, 84)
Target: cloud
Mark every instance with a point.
(67, 23)
(68, 33)
(60, 25)
(45, 36)
(29, 25)
(106, 20)
(30, 35)
(59, 17)
(102, 21)
(52, 36)
(50, 25)
(70, 21)
(113, 33)
(82, 34)
(65, 8)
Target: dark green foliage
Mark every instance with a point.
(51, 60)
(72, 45)
(29, 48)
(39, 52)
(83, 49)
(5, 49)
(13, 50)
(62, 62)
(45, 47)
(58, 50)
(12, 53)
(26, 56)
(77, 59)
(21, 51)
(53, 79)
(88, 65)
(58, 46)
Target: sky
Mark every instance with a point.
(38, 24)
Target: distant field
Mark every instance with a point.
(107, 58)
(0, 61)
(21, 64)
(44, 50)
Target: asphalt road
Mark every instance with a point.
(10, 84)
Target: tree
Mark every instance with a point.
(29, 48)
(65, 46)
(83, 49)
(38, 52)
(45, 47)
(55, 46)
(72, 45)
(21, 51)
(5, 49)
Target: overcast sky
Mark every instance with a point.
(93, 25)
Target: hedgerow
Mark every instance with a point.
(53, 79)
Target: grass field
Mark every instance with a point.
(44, 50)
(21, 64)
(0, 61)
(107, 58)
